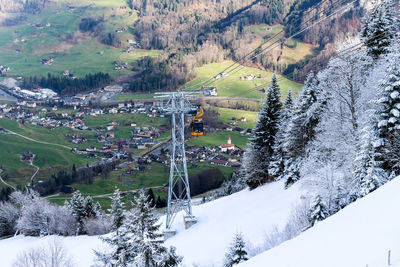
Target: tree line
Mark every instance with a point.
(67, 86)
(83, 175)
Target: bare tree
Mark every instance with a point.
(53, 255)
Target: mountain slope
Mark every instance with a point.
(359, 235)
(254, 213)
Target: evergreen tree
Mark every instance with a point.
(301, 128)
(147, 236)
(268, 119)
(89, 207)
(389, 119)
(77, 207)
(138, 241)
(380, 29)
(368, 173)
(276, 167)
(318, 210)
(117, 210)
(150, 197)
(237, 252)
(262, 143)
(98, 210)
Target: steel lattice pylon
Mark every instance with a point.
(177, 106)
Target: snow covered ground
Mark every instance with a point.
(359, 235)
(253, 213)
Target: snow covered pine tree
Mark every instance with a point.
(276, 168)
(260, 150)
(318, 210)
(237, 252)
(117, 210)
(368, 173)
(301, 128)
(77, 208)
(389, 118)
(138, 242)
(380, 29)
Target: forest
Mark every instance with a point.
(67, 86)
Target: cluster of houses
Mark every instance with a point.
(120, 66)
(47, 61)
(69, 75)
(4, 69)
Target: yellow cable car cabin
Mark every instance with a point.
(196, 125)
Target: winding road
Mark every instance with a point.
(36, 141)
(4, 182)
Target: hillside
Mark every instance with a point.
(214, 221)
(56, 33)
(359, 235)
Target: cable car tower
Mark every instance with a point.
(177, 106)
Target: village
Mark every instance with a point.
(143, 145)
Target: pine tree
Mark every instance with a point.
(276, 168)
(254, 167)
(237, 252)
(117, 210)
(301, 128)
(268, 119)
(389, 118)
(380, 29)
(89, 207)
(368, 173)
(98, 210)
(318, 210)
(138, 241)
(262, 143)
(147, 236)
(77, 207)
(150, 197)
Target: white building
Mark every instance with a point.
(228, 146)
(113, 88)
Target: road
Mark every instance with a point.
(36, 141)
(206, 98)
(4, 182)
(37, 170)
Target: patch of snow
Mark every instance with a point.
(359, 235)
(254, 213)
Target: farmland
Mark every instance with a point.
(23, 46)
(216, 139)
(234, 86)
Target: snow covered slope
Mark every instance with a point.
(359, 235)
(253, 213)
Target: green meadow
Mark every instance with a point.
(234, 86)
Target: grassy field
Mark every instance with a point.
(226, 116)
(23, 46)
(234, 86)
(216, 139)
(57, 135)
(155, 176)
(48, 158)
(292, 51)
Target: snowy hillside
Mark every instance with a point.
(253, 213)
(359, 235)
